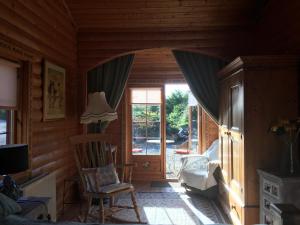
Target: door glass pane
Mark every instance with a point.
(153, 140)
(139, 138)
(138, 95)
(138, 113)
(139, 130)
(153, 95)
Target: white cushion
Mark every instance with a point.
(212, 151)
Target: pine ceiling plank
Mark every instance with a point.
(161, 13)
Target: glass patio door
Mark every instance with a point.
(146, 132)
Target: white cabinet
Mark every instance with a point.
(275, 188)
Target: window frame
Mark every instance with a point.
(19, 116)
(12, 112)
(22, 113)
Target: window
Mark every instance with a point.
(6, 127)
(146, 121)
(8, 100)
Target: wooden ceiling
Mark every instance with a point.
(108, 28)
(162, 14)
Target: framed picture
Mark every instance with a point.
(54, 92)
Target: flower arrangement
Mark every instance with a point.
(289, 128)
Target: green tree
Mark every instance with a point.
(177, 111)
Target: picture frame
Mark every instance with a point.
(54, 97)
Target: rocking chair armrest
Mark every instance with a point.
(123, 167)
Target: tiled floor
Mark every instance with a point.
(167, 205)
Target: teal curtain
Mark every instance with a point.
(110, 77)
(200, 72)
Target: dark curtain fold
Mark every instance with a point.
(200, 72)
(110, 77)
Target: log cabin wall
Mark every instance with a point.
(277, 30)
(209, 131)
(44, 30)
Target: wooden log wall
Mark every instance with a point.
(98, 45)
(277, 31)
(43, 30)
(209, 131)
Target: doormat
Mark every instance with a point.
(160, 184)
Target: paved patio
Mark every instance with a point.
(152, 147)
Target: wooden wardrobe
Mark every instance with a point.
(254, 92)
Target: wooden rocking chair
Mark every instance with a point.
(94, 151)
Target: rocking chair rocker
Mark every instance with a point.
(95, 157)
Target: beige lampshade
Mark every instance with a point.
(98, 110)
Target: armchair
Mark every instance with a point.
(197, 170)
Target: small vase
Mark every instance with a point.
(292, 169)
(289, 165)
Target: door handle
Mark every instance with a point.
(227, 133)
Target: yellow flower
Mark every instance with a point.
(274, 128)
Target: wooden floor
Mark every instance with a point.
(165, 204)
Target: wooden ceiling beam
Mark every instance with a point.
(186, 9)
(154, 4)
(90, 29)
(138, 45)
(107, 14)
(172, 35)
(179, 23)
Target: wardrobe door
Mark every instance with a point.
(224, 155)
(223, 131)
(236, 152)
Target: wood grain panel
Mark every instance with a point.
(43, 29)
(163, 14)
(277, 31)
(159, 64)
(112, 28)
